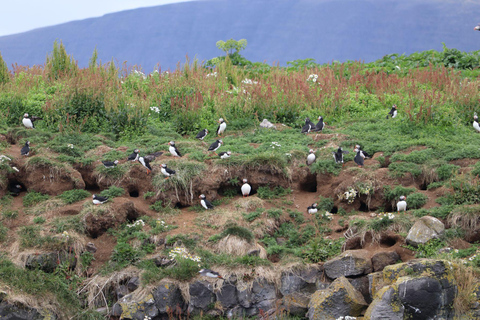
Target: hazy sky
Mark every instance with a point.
(23, 15)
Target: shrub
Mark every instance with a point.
(124, 254)
(74, 195)
(39, 220)
(445, 171)
(253, 215)
(399, 169)
(320, 249)
(33, 198)
(277, 192)
(112, 192)
(274, 213)
(416, 200)
(325, 204)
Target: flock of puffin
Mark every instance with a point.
(28, 121)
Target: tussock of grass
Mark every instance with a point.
(274, 162)
(112, 192)
(465, 217)
(33, 198)
(75, 195)
(237, 246)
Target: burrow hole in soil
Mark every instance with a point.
(363, 207)
(133, 193)
(309, 184)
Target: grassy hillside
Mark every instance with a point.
(429, 153)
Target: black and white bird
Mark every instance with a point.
(134, 156)
(152, 156)
(167, 172)
(312, 209)
(338, 155)
(28, 121)
(99, 199)
(221, 127)
(359, 158)
(173, 149)
(320, 124)
(210, 273)
(367, 156)
(308, 126)
(246, 188)
(145, 163)
(311, 157)
(477, 27)
(393, 111)
(214, 146)
(110, 164)
(15, 189)
(402, 204)
(225, 155)
(475, 122)
(205, 203)
(202, 134)
(26, 149)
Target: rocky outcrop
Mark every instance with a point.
(384, 258)
(349, 263)
(18, 311)
(48, 262)
(425, 229)
(339, 300)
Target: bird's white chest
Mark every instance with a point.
(95, 201)
(312, 210)
(476, 126)
(27, 123)
(394, 114)
(142, 161)
(164, 172)
(173, 151)
(225, 156)
(202, 202)
(311, 158)
(222, 127)
(246, 188)
(402, 205)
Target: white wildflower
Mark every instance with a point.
(327, 215)
(312, 78)
(214, 74)
(70, 145)
(155, 109)
(136, 223)
(65, 235)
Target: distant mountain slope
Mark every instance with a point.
(276, 31)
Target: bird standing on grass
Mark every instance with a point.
(393, 111)
(99, 199)
(214, 146)
(173, 149)
(134, 156)
(205, 203)
(311, 157)
(167, 172)
(312, 209)
(402, 204)
(225, 155)
(246, 188)
(308, 126)
(359, 158)
(110, 164)
(202, 134)
(26, 149)
(221, 127)
(210, 273)
(367, 156)
(320, 124)
(28, 121)
(475, 122)
(145, 163)
(338, 155)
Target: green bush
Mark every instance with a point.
(445, 171)
(112, 192)
(33, 198)
(74, 195)
(253, 215)
(274, 213)
(124, 254)
(320, 249)
(238, 231)
(416, 200)
(277, 192)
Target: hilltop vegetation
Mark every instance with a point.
(428, 152)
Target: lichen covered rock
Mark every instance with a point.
(349, 263)
(425, 229)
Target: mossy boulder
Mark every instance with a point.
(168, 298)
(425, 229)
(339, 300)
(133, 309)
(349, 263)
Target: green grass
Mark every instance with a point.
(238, 231)
(268, 193)
(75, 195)
(33, 198)
(112, 192)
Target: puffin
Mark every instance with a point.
(210, 273)
(225, 155)
(246, 188)
(477, 27)
(202, 134)
(308, 126)
(145, 163)
(475, 122)
(367, 156)
(359, 158)
(320, 124)
(214, 146)
(15, 189)
(393, 111)
(110, 164)
(173, 149)
(338, 155)
(28, 121)
(311, 157)
(134, 156)
(167, 172)
(205, 203)
(402, 204)
(99, 199)
(152, 156)
(312, 209)
(221, 127)
(26, 149)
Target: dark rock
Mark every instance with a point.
(133, 284)
(136, 310)
(292, 282)
(254, 252)
(339, 300)
(163, 262)
(296, 303)
(349, 263)
(18, 312)
(227, 296)
(168, 297)
(48, 262)
(382, 259)
(201, 296)
(90, 247)
(361, 284)
(121, 291)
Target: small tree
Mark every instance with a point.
(92, 64)
(4, 73)
(232, 46)
(59, 62)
